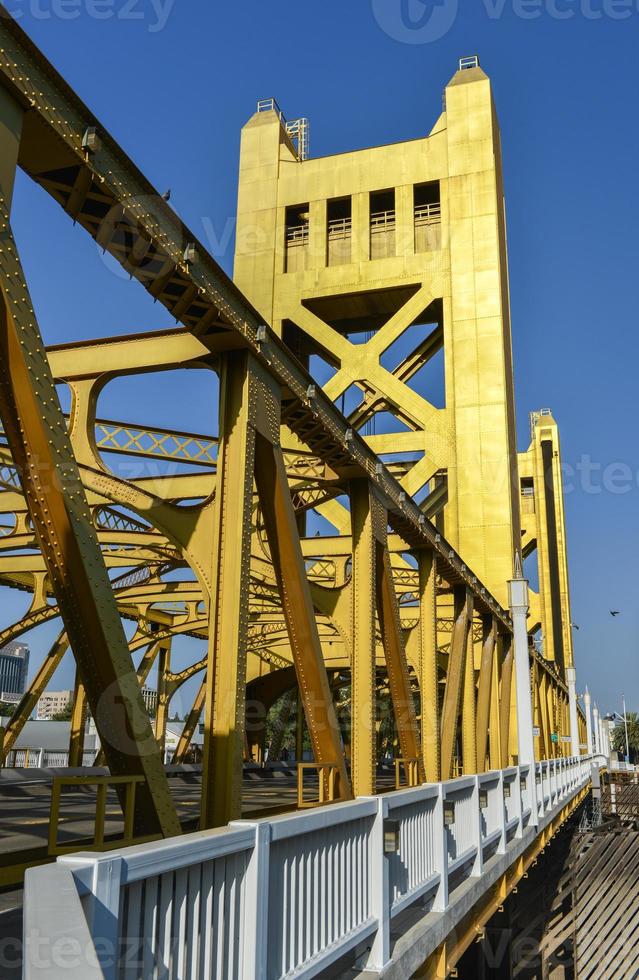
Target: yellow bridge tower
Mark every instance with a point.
(385, 271)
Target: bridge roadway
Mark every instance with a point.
(25, 803)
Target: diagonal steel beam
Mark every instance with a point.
(50, 480)
(288, 563)
(190, 725)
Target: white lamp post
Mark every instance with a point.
(518, 599)
(571, 679)
(588, 721)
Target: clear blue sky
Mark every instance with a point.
(174, 82)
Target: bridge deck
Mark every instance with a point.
(376, 885)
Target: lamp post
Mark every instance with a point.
(625, 723)
(571, 680)
(587, 700)
(518, 600)
(624, 719)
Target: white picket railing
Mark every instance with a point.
(39, 758)
(289, 896)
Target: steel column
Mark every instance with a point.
(225, 713)
(363, 641)
(463, 614)
(164, 692)
(469, 710)
(494, 715)
(78, 723)
(428, 686)
(505, 699)
(489, 635)
(396, 663)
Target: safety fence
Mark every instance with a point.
(286, 896)
(40, 758)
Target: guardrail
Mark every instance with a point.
(291, 895)
(102, 784)
(39, 758)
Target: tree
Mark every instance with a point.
(6, 709)
(64, 714)
(619, 736)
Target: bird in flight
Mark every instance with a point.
(614, 612)
(574, 626)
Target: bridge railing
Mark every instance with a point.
(40, 758)
(290, 895)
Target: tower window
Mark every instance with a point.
(339, 230)
(297, 238)
(428, 216)
(382, 205)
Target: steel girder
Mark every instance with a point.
(321, 458)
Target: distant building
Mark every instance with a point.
(14, 667)
(7, 697)
(52, 702)
(150, 700)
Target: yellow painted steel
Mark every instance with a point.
(327, 775)
(455, 675)
(485, 690)
(78, 722)
(228, 612)
(128, 784)
(428, 675)
(415, 273)
(363, 640)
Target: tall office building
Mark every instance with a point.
(14, 668)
